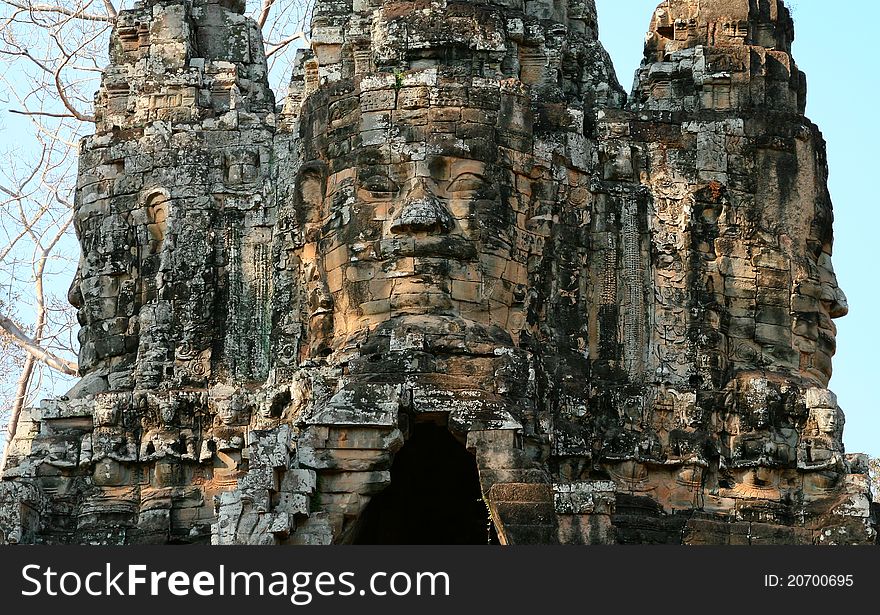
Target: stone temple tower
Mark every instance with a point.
(456, 274)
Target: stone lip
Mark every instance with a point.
(455, 247)
(417, 327)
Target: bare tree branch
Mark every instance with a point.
(43, 113)
(60, 10)
(60, 87)
(111, 10)
(19, 402)
(274, 48)
(21, 338)
(264, 13)
(51, 56)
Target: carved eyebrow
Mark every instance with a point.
(379, 182)
(312, 170)
(468, 175)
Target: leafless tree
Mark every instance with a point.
(51, 57)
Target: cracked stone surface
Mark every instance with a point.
(622, 306)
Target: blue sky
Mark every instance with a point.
(834, 46)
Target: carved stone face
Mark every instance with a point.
(817, 298)
(430, 234)
(168, 411)
(228, 412)
(106, 242)
(421, 224)
(826, 420)
(760, 417)
(824, 410)
(106, 410)
(832, 295)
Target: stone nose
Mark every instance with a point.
(74, 293)
(422, 212)
(832, 294)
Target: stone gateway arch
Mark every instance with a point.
(457, 275)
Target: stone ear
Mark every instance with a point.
(310, 189)
(158, 211)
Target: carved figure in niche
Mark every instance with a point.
(757, 406)
(820, 454)
(163, 435)
(822, 449)
(228, 433)
(680, 425)
(663, 419)
(271, 408)
(319, 303)
(751, 435)
(301, 395)
(63, 453)
(157, 207)
(689, 414)
(110, 438)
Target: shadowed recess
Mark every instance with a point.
(434, 496)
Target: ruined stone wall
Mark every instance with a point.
(735, 332)
(621, 307)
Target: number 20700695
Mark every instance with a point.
(809, 580)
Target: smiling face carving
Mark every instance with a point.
(431, 233)
(418, 224)
(415, 241)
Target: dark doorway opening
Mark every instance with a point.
(434, 497)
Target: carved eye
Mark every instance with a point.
(816, 248)
(467, 182)
(380, 185)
